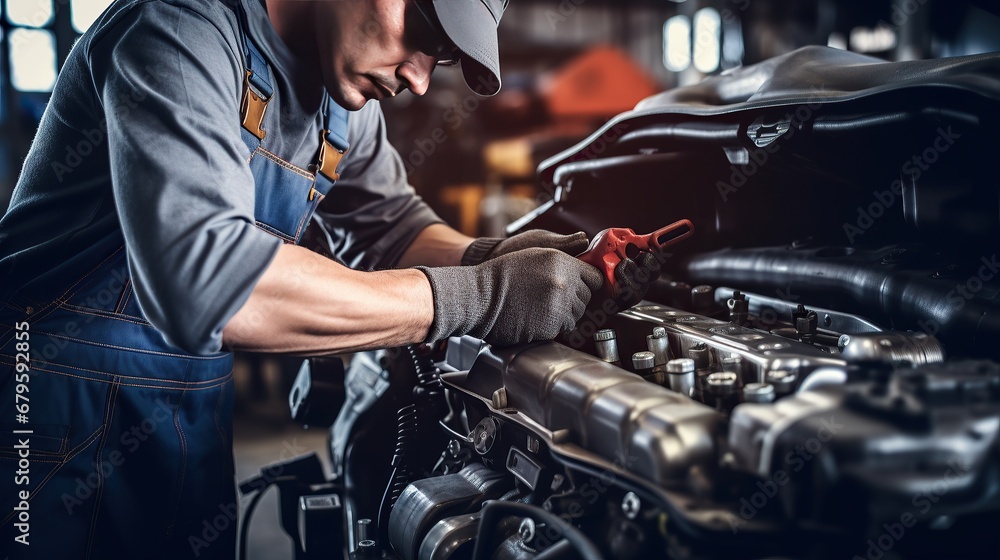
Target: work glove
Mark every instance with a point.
(485, 248)
(634, 276)
(532, 294)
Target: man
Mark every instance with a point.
(153, 230)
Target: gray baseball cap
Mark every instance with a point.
(472, 26)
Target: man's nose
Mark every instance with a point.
(416, 72)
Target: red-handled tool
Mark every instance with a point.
(613, 245)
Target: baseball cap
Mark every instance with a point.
(472, 27)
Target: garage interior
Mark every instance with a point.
(495, 166)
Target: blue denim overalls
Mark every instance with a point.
(131, 439)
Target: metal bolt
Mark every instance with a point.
(680, 365)
(722, 382)
(606, 345)
(454, 448)
(659, 345)
(527, 530)
(702, 297)
(732, 363)
(362, 529)
(843, 341)
(631, 505)
(783, 381)
(366, 550)
(758, 393)
(604, 334)
(643, 360)
(699, 353)
(681, 375)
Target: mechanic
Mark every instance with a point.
(154, 230)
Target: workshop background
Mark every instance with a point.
(568, 66)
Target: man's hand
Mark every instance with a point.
(635, 277)
(485, 248)
(532, 294)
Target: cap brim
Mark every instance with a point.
(472, 28)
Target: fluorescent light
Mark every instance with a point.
(32, 60)
(677, 43)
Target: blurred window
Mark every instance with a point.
(677, 43)
(29, 44)
(872, 40)
(29, 13)
(707, 40)
(85, 13)
(32, 59)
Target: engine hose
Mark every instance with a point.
(420, 417)
(494, 511)
(429, 392)
(245, 522)
(406, 436)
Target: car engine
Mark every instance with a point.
(813, 375)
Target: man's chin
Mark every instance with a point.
(350, 99)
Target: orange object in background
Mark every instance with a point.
(601, 82)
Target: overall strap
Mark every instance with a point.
(334, 144)
(257, 88)
(257, 93)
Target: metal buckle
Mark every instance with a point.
(329, 158)
(252, 109)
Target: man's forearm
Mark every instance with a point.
(436, 245)
(309, 305)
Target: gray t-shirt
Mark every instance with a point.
(141, 139)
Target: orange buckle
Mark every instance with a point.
(252, 109)
(329, 158)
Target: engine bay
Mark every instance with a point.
(813, 374)
(776, 444)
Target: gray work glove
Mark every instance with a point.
(635, 276)
(485, 248)
(533, 294)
